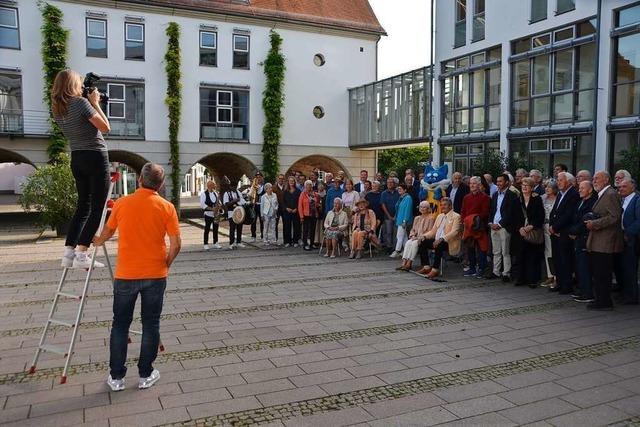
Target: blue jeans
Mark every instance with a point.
(125, 293)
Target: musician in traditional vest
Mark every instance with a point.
(230, 199)
(209, 199)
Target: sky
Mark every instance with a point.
(406, 47)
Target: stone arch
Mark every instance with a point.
(228, 164)
(8, 156)
(307, 164)
(133, 160)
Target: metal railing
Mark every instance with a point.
(24, 122)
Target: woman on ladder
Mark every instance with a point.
(82, 122)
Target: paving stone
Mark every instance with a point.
(260, 388)
(286, 396)
(534, 393)
(477, 406)
(469, 391)
(211, 383)
(596, 416)
(493, 419)
(351, 385)
(272, 374)
(320, 378)
(223, 407)
(425, 417)
(597, 395)
(527, 378)
(193, 398)
(14, 414)
(630, 405)
(538, 410)
(334, 419)
(588, 380)
(151, 418)
(137, 406)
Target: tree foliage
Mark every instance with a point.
(400, 159)
(630, 160)
(495, 162)
(272, 104)
(54, 59)
(173, 100)
(51, 191)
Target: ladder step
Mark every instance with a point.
(61, 323)
(72, 296)
(53, 349)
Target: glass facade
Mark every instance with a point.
(209, 48)
(565, 6)
(390, 111)
(125, 108)
(626, 81)
(557, 85)
(96, 38)
(134, 41)
(478, 20)
(241, 51)
(462, 157)
(471, 93)
(11, 114)
(224, 114)
(575, 151)
(538, 10)
(9, 28)
(460, 30)
(620, 142)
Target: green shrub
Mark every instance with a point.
(630, 160)
(51, 191)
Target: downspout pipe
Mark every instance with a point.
(597, 80)
(431, 79)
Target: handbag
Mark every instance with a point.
(536, 235)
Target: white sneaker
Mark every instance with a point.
(232, 247)
(295, 245)
(67, 260)
(206, 247)
(150, 380)
(115, 385)
(395, 254)
(240, 245)
(252, 240)
(267, 243)
(217, 246)
(85, 262)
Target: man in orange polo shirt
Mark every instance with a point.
(143, 220)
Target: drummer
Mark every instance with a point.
(231, 198)
(208, 201)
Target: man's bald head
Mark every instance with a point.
(152, 176)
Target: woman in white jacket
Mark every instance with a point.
(269, 212)
(335, 224)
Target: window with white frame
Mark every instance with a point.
(241, 51)
(96, 38)
(125, 107)
(224, 111)
(117, 100)
(134, 41)
(209, 48)
(11, 113)
(224, 114)
(9, 28)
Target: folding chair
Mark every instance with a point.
(324, 239)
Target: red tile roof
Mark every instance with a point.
(355, 15)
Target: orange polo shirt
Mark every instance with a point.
(143, 220)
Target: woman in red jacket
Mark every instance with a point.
(475, 215)
(308, 209)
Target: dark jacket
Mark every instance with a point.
(509, 210)
(561, 216)
(577, 227)
(538, 189)
(463, 190)
(631, 222)
(534, 212)
(290, 199)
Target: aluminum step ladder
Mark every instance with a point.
(74, 325)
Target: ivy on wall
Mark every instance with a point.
(173, 101)
(54, 59)
(272, 104)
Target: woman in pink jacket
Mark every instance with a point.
(364, 226)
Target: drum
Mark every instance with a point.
(250, 212)
(238, 215)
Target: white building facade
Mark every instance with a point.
(223, 44)
(548, 81)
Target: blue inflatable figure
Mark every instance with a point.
(434, 186)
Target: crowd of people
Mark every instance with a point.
(572, 234)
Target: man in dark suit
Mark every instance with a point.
(364, 177)
(502, 222)
(628, 190)
(605, 239)
(456, 191)
(536, 175)
(578, 233)
(560, 220)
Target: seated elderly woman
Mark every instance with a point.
(421, 224)
(364, 227)
(444, 236)
(335, 224)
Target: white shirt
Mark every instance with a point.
(203, 198)
(230, 195)
(454, 190)
(601, 192)
(498, 215)
(440, 232)
(492, 189)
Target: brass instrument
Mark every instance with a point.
(219, 213)
(253, 191)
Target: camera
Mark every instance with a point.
(88, 86)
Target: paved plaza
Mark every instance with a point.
(284, 337)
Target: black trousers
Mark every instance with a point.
(530, 263)
(427, 245)
(308, 230)
(278, 216)
(601, 271)
(629, 266)
(208, 226)
(91, 172)
(291, 227)
(562, 253)
(235, 232)
(258, 217)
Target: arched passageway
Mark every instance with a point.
(129, 165)
(14, 170)
(308, 164)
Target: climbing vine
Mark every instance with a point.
(174, 103)
(54, 59)
(272, 104)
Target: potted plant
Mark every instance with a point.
(51, 191)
